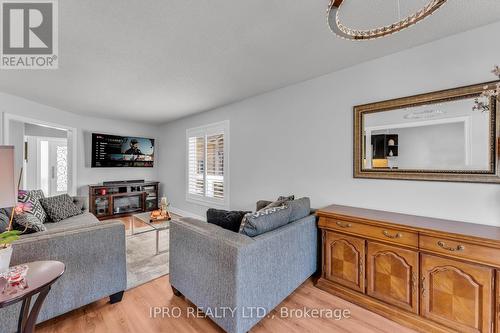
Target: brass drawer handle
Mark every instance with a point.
(442, 245)
(344, 225)
(387, 234)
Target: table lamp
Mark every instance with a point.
(8, 196)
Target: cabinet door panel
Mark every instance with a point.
(392, 275)
(457, 294)
(344, 259)
(497, 302)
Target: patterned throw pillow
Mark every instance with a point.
(28, 223)
(279, 202)
(31, 203)
(264, 220)
(4, 219)
(60, 207)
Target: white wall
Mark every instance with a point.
(85, 126)
(299, 139)
(16, 139)
(435, 147)
(49, 132)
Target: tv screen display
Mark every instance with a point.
(122, 151)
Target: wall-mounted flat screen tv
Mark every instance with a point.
(110, 151)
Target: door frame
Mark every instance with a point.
(72, 142)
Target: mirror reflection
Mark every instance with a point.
(433, 137)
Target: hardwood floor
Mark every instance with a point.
(132, 314)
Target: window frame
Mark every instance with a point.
(207, 130)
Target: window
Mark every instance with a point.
(207, 163)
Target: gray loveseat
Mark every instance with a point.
(94, 255)
(217, 269)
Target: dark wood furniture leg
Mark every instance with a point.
(27, 318)
(176, 292)
(115, 298)
(23, 315)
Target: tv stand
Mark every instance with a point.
(120, 199)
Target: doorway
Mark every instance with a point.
(46, 165)
(45, 152)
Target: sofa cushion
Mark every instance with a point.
(230, 220)
(77, 222)
(300, 208)
(29, 223)
(60, 207)
(30, 200)
(265, 220)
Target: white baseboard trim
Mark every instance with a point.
(183, 213)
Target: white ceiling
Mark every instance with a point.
(155, 61)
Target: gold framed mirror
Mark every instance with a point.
(435, 136)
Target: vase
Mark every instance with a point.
(5, 255)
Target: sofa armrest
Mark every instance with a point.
(95, 261)
(203, 264)
(216, 268)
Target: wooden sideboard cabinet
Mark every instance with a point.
(428, 274)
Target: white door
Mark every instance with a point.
(57, 167)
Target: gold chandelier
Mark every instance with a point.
(345, 32)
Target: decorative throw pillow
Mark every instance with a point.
(60, 207)
(80, 203)
(265, 220)
(230, 220)
(300, 208)
(31, 203)
(286, 198)
(4, 219)
(28, 223)
(280, 201)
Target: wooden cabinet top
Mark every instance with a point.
(145, 183)
(420, 224)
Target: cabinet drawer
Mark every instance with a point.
(459, 249)
(391, 235)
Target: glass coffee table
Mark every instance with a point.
(155, 225)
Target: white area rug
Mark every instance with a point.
(143, 265)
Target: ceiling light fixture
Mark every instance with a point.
(424, 114)
(364, 34)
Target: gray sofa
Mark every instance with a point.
(218, 269)
(94, 255)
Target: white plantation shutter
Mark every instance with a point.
(196, 165)
(215, 166)
(207, 164)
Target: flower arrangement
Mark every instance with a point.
(9, 236)
(481, 103)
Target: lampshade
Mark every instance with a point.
(7, 181)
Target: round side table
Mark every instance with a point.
(39, 279)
